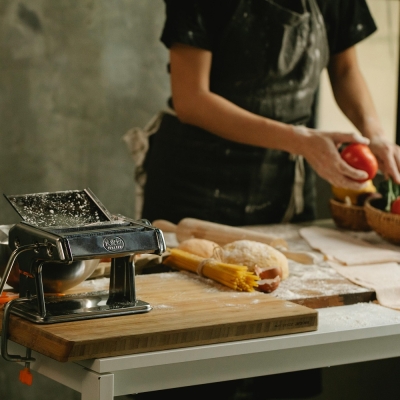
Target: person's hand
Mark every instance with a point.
(388, 156)
(320, 149)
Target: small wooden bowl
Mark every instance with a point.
(384, 223)
(348, 216)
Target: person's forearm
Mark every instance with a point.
(219, 116)
(195, 104)
(225, 119)
(352, 94)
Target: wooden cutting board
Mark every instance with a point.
(187, 311)
(320, 286)
(314, 286)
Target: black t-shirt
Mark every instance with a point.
(200, 23)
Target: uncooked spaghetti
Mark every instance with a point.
(237, 277)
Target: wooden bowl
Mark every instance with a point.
(384, 223)
(348, 216)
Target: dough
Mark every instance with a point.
(256, 256)
(201, 247)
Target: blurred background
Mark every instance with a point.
(76, 75)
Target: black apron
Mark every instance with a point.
(268, 61)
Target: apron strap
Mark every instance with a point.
(137, 141)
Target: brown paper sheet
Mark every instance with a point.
(368, 265)
(346, 249)
(384, 279)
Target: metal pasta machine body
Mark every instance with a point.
(61, 228)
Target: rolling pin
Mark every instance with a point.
(222, 234)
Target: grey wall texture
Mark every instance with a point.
(75, 75)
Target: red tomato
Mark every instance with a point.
(395, 207)
(361, 157)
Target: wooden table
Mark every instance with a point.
(346, 334)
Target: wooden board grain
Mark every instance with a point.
(187, 311)
(320, 286)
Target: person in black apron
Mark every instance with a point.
(267, 57)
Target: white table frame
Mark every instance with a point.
(347, 334)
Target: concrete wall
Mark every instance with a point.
(75, 75)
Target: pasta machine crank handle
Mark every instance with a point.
(4, 334)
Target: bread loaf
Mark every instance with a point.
(261, 258)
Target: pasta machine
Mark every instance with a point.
(60, 228)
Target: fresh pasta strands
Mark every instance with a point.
(237, 277)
